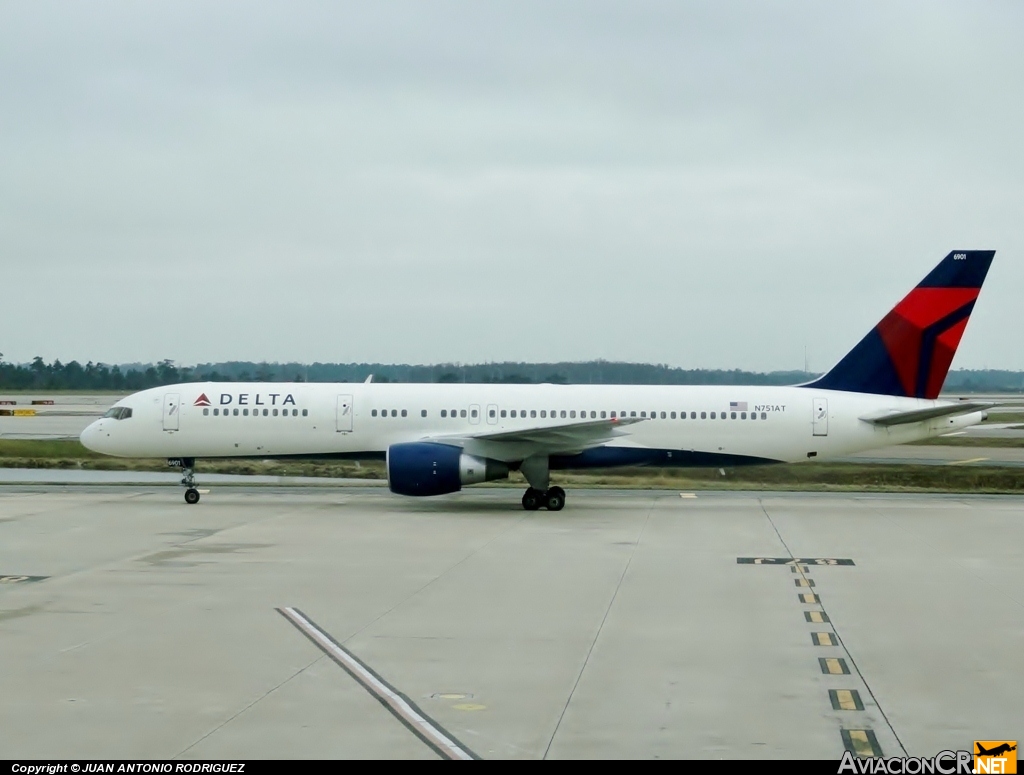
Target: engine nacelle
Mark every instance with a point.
(429, 468)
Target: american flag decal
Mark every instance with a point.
(738, 406)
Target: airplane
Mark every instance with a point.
(999, 749)
(436, 438)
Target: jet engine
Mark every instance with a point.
(429, 468)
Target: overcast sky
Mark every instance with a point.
(701, 184)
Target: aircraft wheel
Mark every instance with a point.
(191, 496)
(554, 499)
(531, 499)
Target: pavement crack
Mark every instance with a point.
(600, 628)
(263, 696)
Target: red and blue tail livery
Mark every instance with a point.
(909, 352)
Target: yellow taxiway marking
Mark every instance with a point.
(469, 706)
(687, 495)
(834, 666)
(845, 698)
(862, 744)
(966, 462)
(823, 639)
(805, 598)
(816, 617)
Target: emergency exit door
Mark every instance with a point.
(820, 417)
(343, 415)
(172, 408)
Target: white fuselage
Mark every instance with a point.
(301, 419)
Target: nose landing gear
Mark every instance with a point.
(188, 477)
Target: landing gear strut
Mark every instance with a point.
(188, 477)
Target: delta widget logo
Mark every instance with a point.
(202, 400)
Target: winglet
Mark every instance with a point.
(909, 352)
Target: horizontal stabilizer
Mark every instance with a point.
(920, 415)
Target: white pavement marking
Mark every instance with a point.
(401, 706)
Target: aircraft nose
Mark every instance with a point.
(92, 435)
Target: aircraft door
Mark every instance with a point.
(172, 408)
(492, 414)
(820, 417)
(343, 416)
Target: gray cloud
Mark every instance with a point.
(705, 184)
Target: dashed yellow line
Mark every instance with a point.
(824, 639)
(833, 666)
(816, 617)
(845, 699)
(861, 742)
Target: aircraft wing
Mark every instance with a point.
(521, 443)
(919, 415)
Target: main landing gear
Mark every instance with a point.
(552, 499)
(540, 494)
(188, 477)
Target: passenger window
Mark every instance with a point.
(673, 415)
(234, 412)
(295, 412)
(704, 415)
(474, 413)
(275, 413)
(206, 412)
(764, 415)
(712, 415)
(305, 412)
(444, 412)
(643, 414)
(743, 415)
(543, 413)
(732, 415)
(405, 413)
(245, 412)
(513, 414)
(423, 412)
(522, 413)
(613, 415)
(663, 415)
(455, 413)
(266, 412)
(604, 415)
(693, 415)
(373, 413)
(216, 412)
(533, 413)
(504, 413)
(593, 414)
(462, 413)
(632, 414)
(572, 414)
(394, 413)
(490, 413)
(722, 416)
(563, 413)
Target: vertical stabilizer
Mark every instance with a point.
(909, 352)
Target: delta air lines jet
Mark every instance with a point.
(438, 437)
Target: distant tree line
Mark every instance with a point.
(39, 375)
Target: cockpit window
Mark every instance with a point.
(119, 412)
